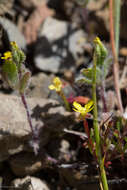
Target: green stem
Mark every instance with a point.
(117, 7)
(96, 130)
(67, 105)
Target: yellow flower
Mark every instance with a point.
(100, 50)
(57, 85)
(7, 55)
(83, 110)
(97, 41)
(14, 44)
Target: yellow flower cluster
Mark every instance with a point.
(7, 55)
(83, 110)
(14, 44)
(57, 85)
(97, 41)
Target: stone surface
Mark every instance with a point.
(5, 6)
(31, 3)
(78, 180)
(36, 19)
(57, 48)
(23, 164)
(11, 33)
(15, 133)
(39, 86)
(68, 92)
(29, 183)
(99, 18)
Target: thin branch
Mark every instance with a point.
(35, 140)
(115, 65)
(27, 111)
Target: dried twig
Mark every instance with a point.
(115, 65)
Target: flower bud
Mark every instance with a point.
(100, 51)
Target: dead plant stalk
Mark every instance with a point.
(115, 57)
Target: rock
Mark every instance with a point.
(15, 133)
(11, 33)
(25, 164)
(64, 151)
(99, 18)
(57, 48)
(36, 19)
(5, 6)
(29, 183)
(39, 86)
(68, 92)
(64, 146)
(31, 3)
(78, 179)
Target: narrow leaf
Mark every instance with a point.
(10, 72)
(24, 82)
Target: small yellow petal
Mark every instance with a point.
(51, 87)
(77, 105)
(97, 40)
(14, 44)
(7, 55)
(76, 110)
(83, 110)
(56, 80)
(89, 104)
(57, 84)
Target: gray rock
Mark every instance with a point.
(29, 183)
(78, 179)
(25, 163)
(12, 33)
(39, 86)
(68, 92)
(57, 48)
(5, 6)
(31, 3)
(15, 132)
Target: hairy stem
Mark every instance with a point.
(67, 105)
(96, 130)
(27, 112)
(103, 96)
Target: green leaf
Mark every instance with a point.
(125, 147)
(98, 75)
(125, 138)
(106, 65)
(17, 54)
(88, 73)
(116, 134)
(84, 80)
(24, 82)
(10, 73)
(100, 51)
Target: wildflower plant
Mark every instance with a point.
(94, 76)
(102, 68)
(17, 77)
(7, 55)
(57, 86)
(83, 110)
